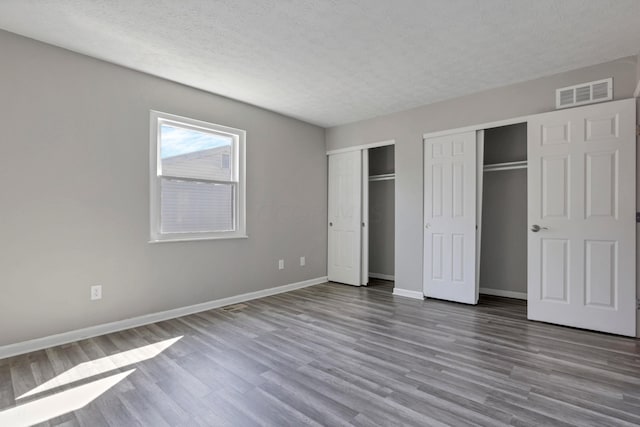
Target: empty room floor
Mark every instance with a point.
(333, 355)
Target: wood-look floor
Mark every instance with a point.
(337, 355)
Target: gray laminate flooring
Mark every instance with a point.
(333, 355)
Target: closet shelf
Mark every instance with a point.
(494, 167)
(383, 177)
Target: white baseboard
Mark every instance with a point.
(382, 276)
(407, 293)
(502, 293)
(106, 328)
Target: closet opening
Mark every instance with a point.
(503, 232)
(380, 177)
(361, 216)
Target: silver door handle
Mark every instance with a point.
(535, 228)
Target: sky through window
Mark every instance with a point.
(175, 141)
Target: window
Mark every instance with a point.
(197, 179)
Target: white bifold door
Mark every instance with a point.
(581, 208)
(345, 218)
(450, 189)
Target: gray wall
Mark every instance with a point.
(503, 254)
(505, 144)
(407, 128)
(382, 160)
(74, 178)
(381, 212)
(381, 227)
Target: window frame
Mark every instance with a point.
(237, 163)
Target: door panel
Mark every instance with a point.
(581, 189)
(555, 274)
(601, 184)
(600, 273)
(436, 194)
(458, 260)
(437, 245)
(345, 212)
(555, 191)
(450, 218)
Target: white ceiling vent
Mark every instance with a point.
(585, 93)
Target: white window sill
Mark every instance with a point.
(195, 239)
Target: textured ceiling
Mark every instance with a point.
(336, 61)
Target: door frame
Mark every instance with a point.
(362, 146)
(364, 200)
(479, 131)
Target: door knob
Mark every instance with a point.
(535, 228)
(427, 225)
(330, 224)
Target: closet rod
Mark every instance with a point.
(384, 177)
(494, 167)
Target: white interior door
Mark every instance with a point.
(345, 215)
(450, 218)
(581, 204)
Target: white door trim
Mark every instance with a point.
(364, 230)
(362, 147)
(479, 183)
(408, 293)
(481, 126)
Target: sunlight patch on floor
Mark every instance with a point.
(58, 404)
(102, 365)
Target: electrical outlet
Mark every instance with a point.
(96, 292)
(302, 261)
(281, 264)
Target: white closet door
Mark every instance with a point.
(450, 218)
(581, 203)
(345, 214)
